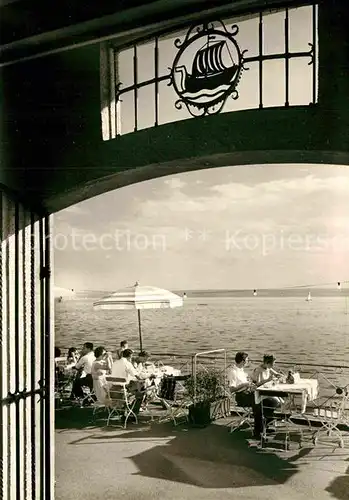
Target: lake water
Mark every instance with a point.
(289, 327)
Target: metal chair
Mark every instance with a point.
(63, 383)
(119, 402)
(172, 396)
(278, 423)
(89, 397)
(333, 419)
(243, 414)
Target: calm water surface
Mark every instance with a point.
(291, 328)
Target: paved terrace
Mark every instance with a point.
(160, 461)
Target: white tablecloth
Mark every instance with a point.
(307, 388)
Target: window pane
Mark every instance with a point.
(248, 36)
(127, 113)
(248, 89)
(274, 33)
(145, 62)
(146, 107)
(300, 29)
(126, 67)
(167, 111)
(168, 52)
(273, 83)
(301, 82)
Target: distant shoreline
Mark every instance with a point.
(272, 293)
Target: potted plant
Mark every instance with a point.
(209, 399)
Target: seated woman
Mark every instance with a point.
(59, 369)
(72, 356)
(265, 372)
(72, 359)
(101, 367)
(261, 375)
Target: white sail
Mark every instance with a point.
(309, 298)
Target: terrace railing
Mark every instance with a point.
(333, 378)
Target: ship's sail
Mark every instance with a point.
(208, 71)
(208, 60)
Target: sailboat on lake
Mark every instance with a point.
(309, 298)
(208, 71)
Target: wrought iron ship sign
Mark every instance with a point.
(207, 68)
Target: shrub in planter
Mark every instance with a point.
(209, 401)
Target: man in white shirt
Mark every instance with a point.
(83, 367)
(123, 368)
(238, 379)
(240, 384)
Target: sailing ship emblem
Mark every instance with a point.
(207, 69)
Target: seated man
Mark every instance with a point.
(123, 347)
(123, 368)
(83, 367)
(241, 385)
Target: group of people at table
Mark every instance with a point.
(265, 389)
(245, 386)
(93, 366)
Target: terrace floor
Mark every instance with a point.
(160, 461)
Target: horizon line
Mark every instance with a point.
(288, 288)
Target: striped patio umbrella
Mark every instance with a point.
(139, 297)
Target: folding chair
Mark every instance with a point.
(334, 421)
(89, 397)
(63, 382)
(173, 399)
(243, 415)
(150, 397)
(118, 401)
(278, 424)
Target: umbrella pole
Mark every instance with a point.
(140, 330)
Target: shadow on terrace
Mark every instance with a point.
(207, 458)
(339, 487)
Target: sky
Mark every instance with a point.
(224, 228)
